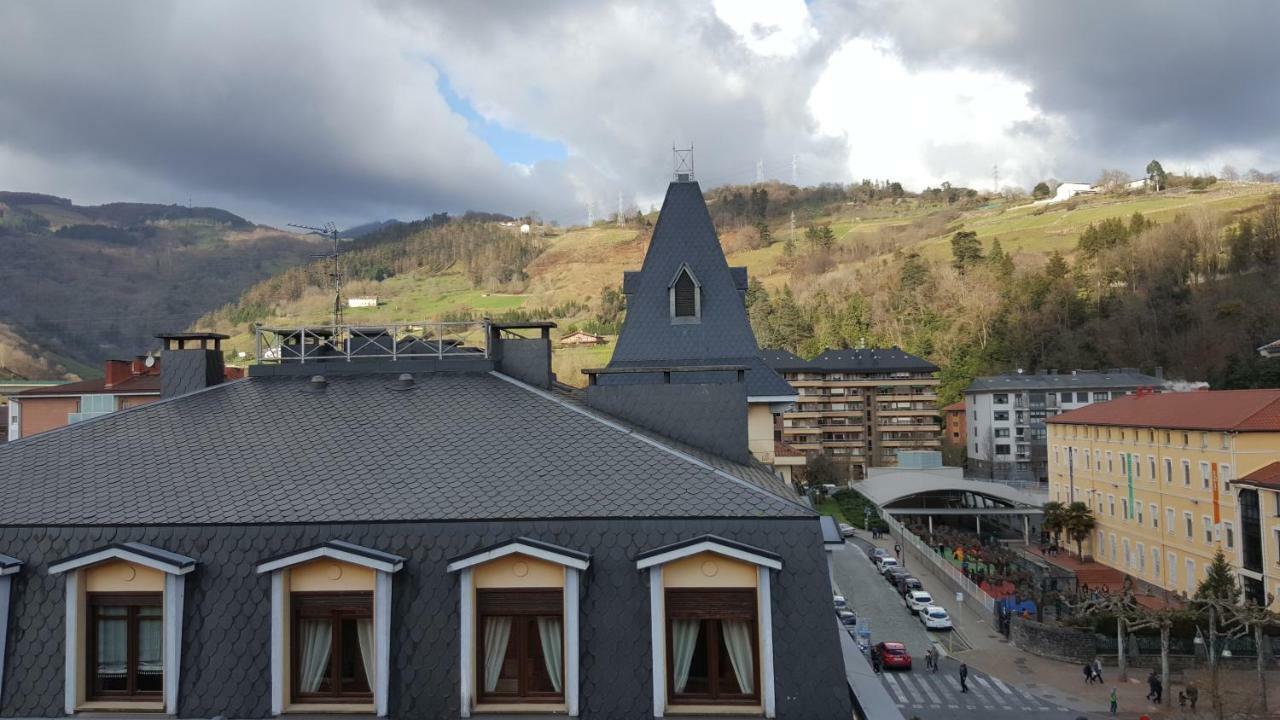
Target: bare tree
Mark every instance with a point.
(1113, 180)
(1229, 173)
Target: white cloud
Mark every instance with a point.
(922, 127)
(778, 28)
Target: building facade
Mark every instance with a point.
(1007, 414)
(418, 529)
(861, 406)
(1173, 477)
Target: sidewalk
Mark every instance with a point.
(1059, 682)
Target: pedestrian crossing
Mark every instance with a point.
(941, 691)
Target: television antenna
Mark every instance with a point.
(683, 163)
(330, 231)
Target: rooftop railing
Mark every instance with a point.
(395, 341)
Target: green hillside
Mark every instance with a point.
(885, 276)
(80, 284)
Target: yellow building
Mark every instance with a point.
(1171, 477)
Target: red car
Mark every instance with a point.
(893, 655)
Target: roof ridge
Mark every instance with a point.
(1271, 407)
(647, 440)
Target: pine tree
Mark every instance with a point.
(1219, 581)
(966, 249)
(826, 237)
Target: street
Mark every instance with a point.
(919, 693)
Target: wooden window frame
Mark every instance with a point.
(525, 610)
(338, 606)
(132, 602)
(713, 697)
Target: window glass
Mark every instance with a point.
(97, 403)
(711, 641)
(1000, 399)
(1100, 396)
(520, 656)
(1001, 415)
(124, 645)
(1002, 449)
(332, 639)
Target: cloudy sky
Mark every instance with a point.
(350, 111)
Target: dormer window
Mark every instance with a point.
(686, 297)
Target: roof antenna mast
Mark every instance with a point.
(683, 163)
(330, 231)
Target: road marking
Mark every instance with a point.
(892, 682)
(1002, 686)
(909, 688)
(928, 689)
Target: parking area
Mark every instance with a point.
(876, 602)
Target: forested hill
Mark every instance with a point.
(79, 284)
(1184, 278)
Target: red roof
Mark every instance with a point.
(955, 406)
(785, 450)
(1265, 476)
(1226, 410)
(144, 384)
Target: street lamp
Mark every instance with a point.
(866, 519)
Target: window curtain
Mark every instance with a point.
(737, 641)
(317, 641)
(113, 647)
(150, 645)
(364, 631)
(552, 649)
(684, 637)
(497, 632)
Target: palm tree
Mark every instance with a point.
(1079, 523)
(1054, 512)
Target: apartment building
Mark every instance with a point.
(1007, 414)
(860, 406)
(1171, 478)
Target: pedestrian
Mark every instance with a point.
(964, 678)
(1159, 692)
(1182, 699)
(1115, 701)
(1151, 685)
(875, 662)
(1193, 694)
(1097, 668)
(1088, 674)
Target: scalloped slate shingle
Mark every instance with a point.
(459, 446)
(226, 628)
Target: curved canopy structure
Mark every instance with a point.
(941, 489)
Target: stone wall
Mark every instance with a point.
(1059, 643)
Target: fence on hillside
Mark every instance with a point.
(925, 553)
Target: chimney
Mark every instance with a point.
(192, 361)
(524, 358)
(117, 372)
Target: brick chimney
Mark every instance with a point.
(192, 361)
(117, 372)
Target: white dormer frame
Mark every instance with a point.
(383, 564)
(9, 566)
(574, 563)
(175, 568)
(697, 296)
(654, 560)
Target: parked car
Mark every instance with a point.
(918, 600)
(877, 554)
(893, 655)
(935, 618)
(885, 563)
(893, 573)
(848, 618)
(846, 529)
(840, 602)
(908, 583)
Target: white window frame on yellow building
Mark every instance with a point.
(138, 562)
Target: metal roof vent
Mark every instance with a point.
(317, 384)
(404, 382)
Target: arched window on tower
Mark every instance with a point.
(686, 300)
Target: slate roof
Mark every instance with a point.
(864, 360)
(685, 235)
(1125, 378)
(460, 446)
(1219, 410)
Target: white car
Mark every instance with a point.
(846, 529)
(840, 602)
(935, 618)
(918, 600)
(886, 563)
